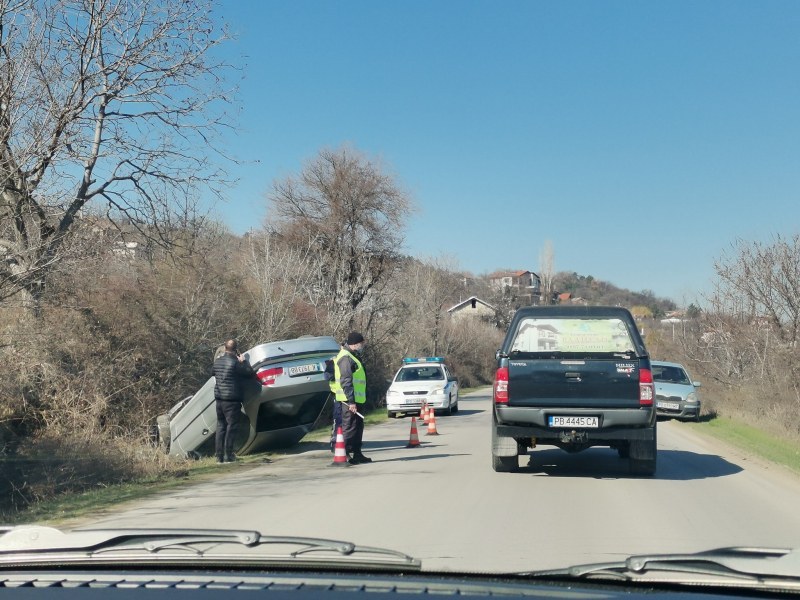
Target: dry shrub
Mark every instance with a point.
(471, 348)
(50, 465)
(745, 371)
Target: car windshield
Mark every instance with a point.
(393, 273)
(667, 374)
(420, 374)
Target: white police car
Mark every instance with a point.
(419, 381)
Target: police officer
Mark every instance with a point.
(350, 387)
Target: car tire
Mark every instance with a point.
(505, 464)
(643, 455)
(455, 406)
(449, 410)
(391, 414)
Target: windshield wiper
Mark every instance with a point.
(732, 566)
(31, 545)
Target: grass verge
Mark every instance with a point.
(72, 507)
(755, 441)
(69, 509)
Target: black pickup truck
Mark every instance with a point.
(574, 377)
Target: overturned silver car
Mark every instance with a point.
(279, 407)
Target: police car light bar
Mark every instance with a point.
(438, 359)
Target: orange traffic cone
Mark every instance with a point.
(427, 414)
(339, 453)
(432, 424)
(413, 440)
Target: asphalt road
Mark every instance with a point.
(443, 504)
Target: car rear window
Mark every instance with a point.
(571, 336)
(420, 374)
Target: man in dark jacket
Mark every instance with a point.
(230, 371)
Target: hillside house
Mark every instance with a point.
(526, 285)
(472, 307)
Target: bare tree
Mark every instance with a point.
(429, 285)
(762, 282)
(356, 215)
(110, 104)
(280, 279)
(546, 272)
(751, 325)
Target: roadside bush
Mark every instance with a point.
(54, 464)
(745, 372)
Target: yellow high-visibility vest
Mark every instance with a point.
(359, 379)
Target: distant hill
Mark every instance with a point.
(595, 291)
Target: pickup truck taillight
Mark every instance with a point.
(501, 386)
(647, 390)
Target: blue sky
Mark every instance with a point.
(640, 138)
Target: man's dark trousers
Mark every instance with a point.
(228, 412)
(353, 430)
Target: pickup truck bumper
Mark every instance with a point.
(545, 433)
(513, 424)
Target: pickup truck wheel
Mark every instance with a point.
(624, 450)
(505, 464)
(643, 456)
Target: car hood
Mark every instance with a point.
(674, 389)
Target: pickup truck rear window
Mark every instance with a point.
(571, 336)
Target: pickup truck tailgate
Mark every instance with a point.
(605, 383)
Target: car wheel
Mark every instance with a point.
(643, 456)
(505, 464)
(449, 410)
(391, 414)
(455, 406)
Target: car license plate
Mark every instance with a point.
(668, 405)
(571, 421)
(304, 370)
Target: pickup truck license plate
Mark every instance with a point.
(304, 370)
(668, 405)
(567, 421)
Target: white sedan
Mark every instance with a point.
(422, 381)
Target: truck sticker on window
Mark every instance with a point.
(572, 335)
